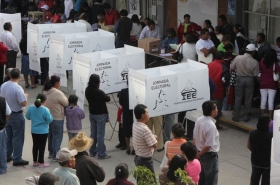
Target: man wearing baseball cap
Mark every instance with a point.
(247, 69)
(66, 173)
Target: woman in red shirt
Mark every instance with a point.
(268, 87)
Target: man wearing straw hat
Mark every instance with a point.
(87, 170)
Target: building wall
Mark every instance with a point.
(171, 14)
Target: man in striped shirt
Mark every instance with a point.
(144, 141)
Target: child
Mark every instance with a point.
(193, 168)
(121, 173)
(74, 114)
(40, 117)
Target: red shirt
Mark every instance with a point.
(266, 80)
(192, 30)
(56, 19)
(47, 2)
(112, 17)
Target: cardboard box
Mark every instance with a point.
(109, 28)
(150, 45)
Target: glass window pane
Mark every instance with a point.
(274, 28)
(275, 7)
(256, 24)
(259, 6)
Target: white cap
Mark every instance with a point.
(46, 7)
(65, 154)
(251, 47)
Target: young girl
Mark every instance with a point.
(74, 114)
(121, 173)
(40, 117)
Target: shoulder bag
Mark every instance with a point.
(178, 55)
(275, 75)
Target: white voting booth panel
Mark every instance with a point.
(40, 41)
(15, 20)
(62, 46)
(276, 136)
(128, 57)
(169, 89)
(81, 68)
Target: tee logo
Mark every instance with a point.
(189, 92)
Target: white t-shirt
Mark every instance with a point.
(205, 133)
(136, 30)
(189, 52)
(207, 44)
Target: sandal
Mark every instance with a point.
(27, 86)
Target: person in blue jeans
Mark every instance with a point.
(56, 102)
(40, 117)
(15, 125)
(98, 116)
(5, 112)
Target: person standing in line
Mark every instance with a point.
(9, 40)
(122, 29)
(208, 24)
(144, 141)
(3, 61)
(136, 29)
(206, 140)
(259, 143)
(74, 115)
(56, 101)
(40, 117)
(151, 30)
(262, 45)
(111, 15)
(121, 173)
(15, 125)
(5, 112)
(96, 9)
(204, 45)
(227, 28)
(247, 68)
(98, 116)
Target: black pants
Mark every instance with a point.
(121, 135)
(11, 59)
(39, 145)
(257, 173)
(181, 118)
(1, 74)
(44, 62)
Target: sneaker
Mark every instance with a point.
(119, 145)
(50, 156)
(133, 152)
(43, 165)
(21, 163)
(123, 148)
(54, 160)
(105, 157)
(92, 155)
(35, 164)
(9, 159)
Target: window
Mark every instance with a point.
(263, 16)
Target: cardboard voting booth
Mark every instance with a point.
(276, 136)
(170, 89)
(15, 20)
(38, 41)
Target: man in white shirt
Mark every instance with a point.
(9, 40)
(204, 45)
(206, 140)
(151, 30)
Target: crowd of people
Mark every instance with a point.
(239, 72)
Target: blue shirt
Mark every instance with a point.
(165, 43)
(40, 119)
(14, 95)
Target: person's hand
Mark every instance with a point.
(198, 155)
(156, 137)
(26, 95)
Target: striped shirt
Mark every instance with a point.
(174, 148)
(143, 140)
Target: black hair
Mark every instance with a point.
(226, 38)
(278, 39)
(72, 15)
(178, 130)
(189, 149)
(63, 163)
(219, 29)
(50, 82)
(219, 55)
(121, 172)
(171, 31)
(135, 19)
(73, 99)
(7, 26)
(229, 46)
(165, 62)
(85, 4)
(214, 39)
(98, 1)
(106, 6)
(209, 23)
(270, 57)
(263, 123)
(223, 18)
(187, 16)
(59, 11)
(262, 36)
(239, 28)
(147, 19)
(94, 80)
(15, 73)
(139, 110)
(277, 107)
(203, 31)
(84, 16)
(208, 107)
(123, 12)
(151, 22)
(190, 39)
(178, 161)
(39, 99)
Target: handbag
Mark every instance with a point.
(275, 75)
(165, 159)
(178, 55)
